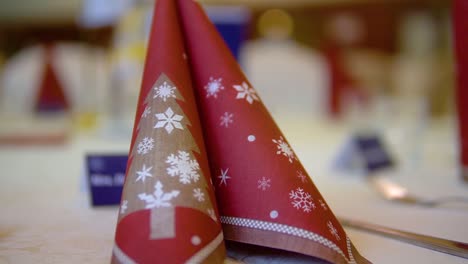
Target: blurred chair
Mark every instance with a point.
(291, 79)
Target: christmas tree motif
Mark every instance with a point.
(164, 172)
(168, 200)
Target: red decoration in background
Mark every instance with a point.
(51, 96)
(339, 81)
(460, 12)
(342, 85)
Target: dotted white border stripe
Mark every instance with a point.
(290, 230)
(350, 251)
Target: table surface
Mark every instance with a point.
(46, 217)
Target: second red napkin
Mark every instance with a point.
(265, 196)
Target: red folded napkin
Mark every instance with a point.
(460, 11)
(263, 194)
(168, 210)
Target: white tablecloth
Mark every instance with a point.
(45, 216)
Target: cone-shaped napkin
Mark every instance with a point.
(51, 96)
(264, 194)
(461, 41)
(168, 211)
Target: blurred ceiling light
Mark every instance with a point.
(275, 24)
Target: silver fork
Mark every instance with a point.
(395, 192)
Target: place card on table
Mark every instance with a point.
(105, 176)
(364, 153)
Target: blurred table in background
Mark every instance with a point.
(47, 218)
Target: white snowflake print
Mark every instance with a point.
(123, 207)
(212, 214)
(301, 200)
(284, 149)
(226, 119)
(184, 167)
(264, 183)
(333, 230)
(213, 87)
(324, 206)
(224, 177)
(146, 112)
(158, 198)
(301, 176)
(198, 194)
(145, 146)
(164, 91)
(244, 91)
(143, 173)
(169, 120)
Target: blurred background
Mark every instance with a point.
(74, 67)
(329, 71)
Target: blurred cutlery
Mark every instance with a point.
(394, 192)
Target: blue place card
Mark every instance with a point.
(106, 176)
(364, 153)
(375, 155)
